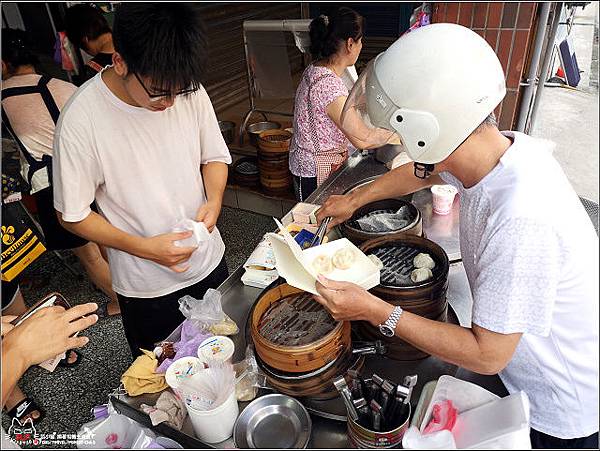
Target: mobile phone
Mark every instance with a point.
(48, 301)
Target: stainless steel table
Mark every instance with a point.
(238, 299)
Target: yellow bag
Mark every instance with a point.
(21, 240)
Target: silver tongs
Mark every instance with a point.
(321, 231)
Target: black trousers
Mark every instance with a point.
(539, 440)
(149, 320)
(308, 184)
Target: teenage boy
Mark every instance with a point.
(142, 138)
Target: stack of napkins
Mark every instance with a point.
(296, 265)
(260, 266)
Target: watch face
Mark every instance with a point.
(386, 330)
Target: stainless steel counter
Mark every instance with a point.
(238, 299)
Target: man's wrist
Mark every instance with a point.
(380, 311)
(12, 352)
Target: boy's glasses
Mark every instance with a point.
(163, 94)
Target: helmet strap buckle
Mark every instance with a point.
(423, 170)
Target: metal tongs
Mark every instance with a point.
(321, 231)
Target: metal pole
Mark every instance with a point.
(545, 65)
(535, 60)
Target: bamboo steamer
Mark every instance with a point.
(314, 385)
(352, 231)
(296, 359)
(273, 160)
(426, 299)
(275, 140)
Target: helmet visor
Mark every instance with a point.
(365, 116)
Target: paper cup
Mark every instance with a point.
(218, 348)
(443, 197)
(216, 425)
(181, 369)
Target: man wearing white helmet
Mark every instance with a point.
(528, 247)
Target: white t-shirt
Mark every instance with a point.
(530, 253)
(32, 122)
(143, 168)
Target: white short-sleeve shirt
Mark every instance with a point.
(530, 253)
(144, 169)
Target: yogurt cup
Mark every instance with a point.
(181, 369)
(219, 348)
(443, 198)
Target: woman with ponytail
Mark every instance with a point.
(318, 145)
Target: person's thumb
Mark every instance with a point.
(332, 284)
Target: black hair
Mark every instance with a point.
(85, 21)
(16, 48)
(165, 42)
(327, 33)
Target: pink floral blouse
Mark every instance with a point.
(324, 91)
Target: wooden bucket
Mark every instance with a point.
(283, 311)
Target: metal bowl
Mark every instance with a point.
(227, 129)
(273, 421)
(255, 129)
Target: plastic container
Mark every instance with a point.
(443, 198)
(362, 437)
(219, 348)
(216, 425)
(180, 369)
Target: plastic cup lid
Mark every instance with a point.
(216, 348)
(444, 190)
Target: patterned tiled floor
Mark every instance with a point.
(68, 395)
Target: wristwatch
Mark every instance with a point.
(389, 327)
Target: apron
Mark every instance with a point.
(326, 161)
(42, 89)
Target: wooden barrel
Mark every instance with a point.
(273, 161)
(351, 228)
(426, 299)
(293, 333)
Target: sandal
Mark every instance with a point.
(24, 410)
(65, 362)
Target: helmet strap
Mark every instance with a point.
(423, 170)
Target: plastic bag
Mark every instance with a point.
(207, 314)
(385, 222)
(114, 432)
(248, 378)
(200, 233)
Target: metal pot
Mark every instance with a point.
(255, 129)
(227, 130)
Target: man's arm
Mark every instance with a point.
(476, 349)
(396, 183)
(159, 249)
(214, 175)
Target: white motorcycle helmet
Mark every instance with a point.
(433, 87)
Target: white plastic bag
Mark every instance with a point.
(200, 233)
(114, 432)
(207, 314)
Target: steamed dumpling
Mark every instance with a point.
(421, 275)
(423, 261)
(375, 259)
(322, 264)
(344, 258)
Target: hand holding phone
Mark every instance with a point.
(44, 333)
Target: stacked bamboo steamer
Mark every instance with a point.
(273, 160)
(320, 349)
